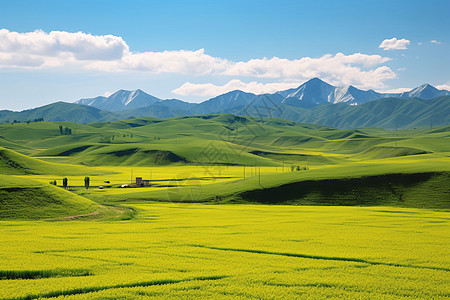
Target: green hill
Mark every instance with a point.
(365, 166)
(22, 198)
(216, 139)
(13, 163)
(389, 113)
(60, 111)
(420, 190)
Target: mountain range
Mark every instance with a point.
(311, 93)
(315, 101)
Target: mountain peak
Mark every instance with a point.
(313, 92)
(315, 80)
(121, 100)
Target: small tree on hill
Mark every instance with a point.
(86, 182)
(65, 182)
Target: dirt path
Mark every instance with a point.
(81, 216)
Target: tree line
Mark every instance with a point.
(27, 121)
(65, 182)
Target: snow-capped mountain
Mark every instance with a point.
(313, 92)
(309, 94)
(316, 92)
(311, 102)
(425, 92)
(120, 100)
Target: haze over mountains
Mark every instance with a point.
(315, 101)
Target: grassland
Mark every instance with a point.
(317, 212)
(232, 251)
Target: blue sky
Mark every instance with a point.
(193, 50)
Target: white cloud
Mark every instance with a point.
(338, 69)
(210, 90)
(78, 45)
(443, 87)
(435, 42)
(182, 61)
(105, 53)
(397, 90)
(394, 44)
(110, 53)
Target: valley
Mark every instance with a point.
(300, 203)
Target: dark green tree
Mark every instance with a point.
(86, 182)
(65, 181)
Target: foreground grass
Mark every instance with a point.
(235, 251)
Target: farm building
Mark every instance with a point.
(142, 182)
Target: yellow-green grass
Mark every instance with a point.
(22, 198)
(231, 251)
(162, 177)
(181, 184)
(234, 137)
(14, 163)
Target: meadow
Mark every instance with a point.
(231, 251)
(238, 207)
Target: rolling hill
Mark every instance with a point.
(207, 139)
(27, 199)
(388, 113)
(60, 111)
(303, 164)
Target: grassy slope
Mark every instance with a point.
(347, 184)
(26, 199)
(14, 163)
(227, 139)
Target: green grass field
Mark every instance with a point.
(231, 251)
(237, 208)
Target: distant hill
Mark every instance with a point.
(60, 111)
(388, 113)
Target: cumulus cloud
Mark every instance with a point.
(110, 53)
(336, 69)
(99, 52)
(435, 42)
(210, 90)
(78, 45)
(443, 87)
(394, 44)
(181, 61)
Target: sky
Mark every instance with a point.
(194, 50)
